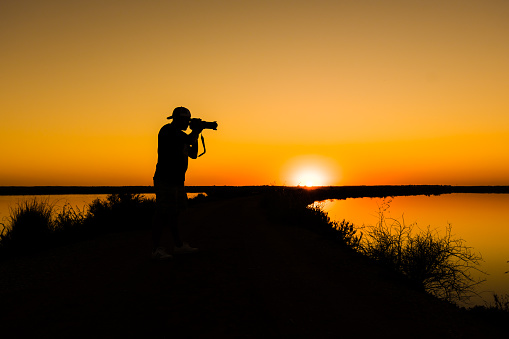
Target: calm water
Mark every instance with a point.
(482, 220)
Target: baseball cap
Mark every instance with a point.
(180, 112)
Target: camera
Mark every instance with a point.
(196, 123)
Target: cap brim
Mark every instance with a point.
(180, 116)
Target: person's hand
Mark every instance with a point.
(197, 128)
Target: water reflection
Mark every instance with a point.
(482, 220)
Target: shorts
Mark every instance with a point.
(170, 197)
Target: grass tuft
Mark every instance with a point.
(29, 226)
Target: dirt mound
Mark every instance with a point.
(251, 278)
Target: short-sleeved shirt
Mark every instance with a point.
(172, 159)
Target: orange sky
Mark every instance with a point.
(305, 92)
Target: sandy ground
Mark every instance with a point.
(251, 279)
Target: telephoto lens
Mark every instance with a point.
(196, 123)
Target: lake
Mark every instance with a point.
(482, 220)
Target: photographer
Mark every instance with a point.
(174, 149)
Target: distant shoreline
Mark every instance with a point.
(317, 193)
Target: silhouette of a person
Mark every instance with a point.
(175, 147)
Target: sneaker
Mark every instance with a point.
(161, 254)
(185, 248)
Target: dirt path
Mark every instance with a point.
(251, 279)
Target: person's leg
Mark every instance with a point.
(170, 201)
(160, 220)
(181, 205)
(157, 219)
(157, 229)
(173, 222)
(158, 226)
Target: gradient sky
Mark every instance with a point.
(305, 92)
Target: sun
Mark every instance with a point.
(311, 171)
(310, 177)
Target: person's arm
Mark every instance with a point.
(193, 143)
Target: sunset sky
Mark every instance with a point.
(304, 92)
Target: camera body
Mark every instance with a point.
(196, 123)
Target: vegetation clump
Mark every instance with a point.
(119, 212)
(439, 264)
(501, 302)
(29, 223)
(294, 207)
(496, 313)
(36, 224)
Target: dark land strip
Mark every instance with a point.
(253, 278)
(325, 192)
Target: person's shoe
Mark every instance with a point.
(185, 248)
(161, 254)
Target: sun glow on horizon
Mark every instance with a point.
(311, 171)
(310, 178)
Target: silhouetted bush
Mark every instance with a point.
(35, 224)
(119, 212)
(293, 206)
(440, 265)
(69, 224)
(29, 226)
(343, 232)
(198, 199)
(501, 302)
(497, 313)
